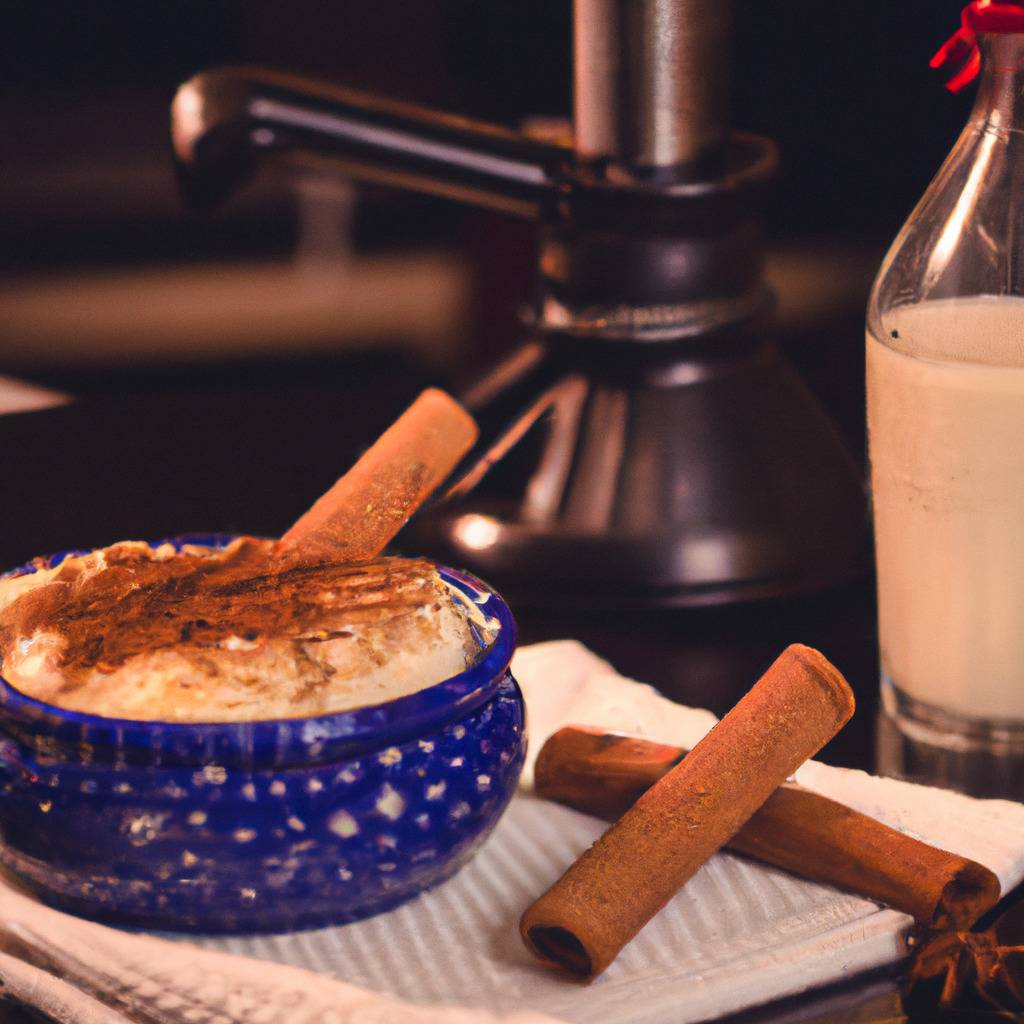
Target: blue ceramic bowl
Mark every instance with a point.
(265, 825)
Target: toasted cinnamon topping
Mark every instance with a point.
(139, 604)
(215, 635)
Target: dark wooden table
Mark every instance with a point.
(247, 449)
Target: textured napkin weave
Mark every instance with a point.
(739, 934)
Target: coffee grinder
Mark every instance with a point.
(648, 444)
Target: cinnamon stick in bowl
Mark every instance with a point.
(637, 866)
(797, 830)
(362, 512)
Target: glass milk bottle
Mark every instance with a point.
(945, 383)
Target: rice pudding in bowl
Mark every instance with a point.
(199, 634)
(189, 742)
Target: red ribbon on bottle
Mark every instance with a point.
(958, 58)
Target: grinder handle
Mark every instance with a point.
(224, 122)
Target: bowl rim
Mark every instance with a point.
(369, 727)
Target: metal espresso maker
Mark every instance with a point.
(648, 444)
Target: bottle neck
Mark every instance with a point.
(1000, 100)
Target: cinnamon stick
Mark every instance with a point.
(362, 512)
(797, 830)
(634, 869)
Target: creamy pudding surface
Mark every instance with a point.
(214, 635)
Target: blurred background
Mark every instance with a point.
(231, 366)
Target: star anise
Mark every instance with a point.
(970, 970)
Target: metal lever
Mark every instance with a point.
(224, 122)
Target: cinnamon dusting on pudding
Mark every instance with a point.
(131, 631)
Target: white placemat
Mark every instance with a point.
(738, 935)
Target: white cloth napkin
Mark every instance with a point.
(738, 935)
